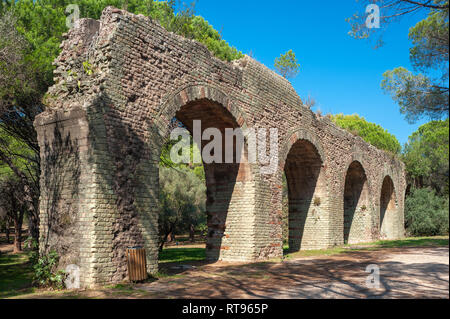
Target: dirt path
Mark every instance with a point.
(404, 273)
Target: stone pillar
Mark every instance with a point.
(67, 181)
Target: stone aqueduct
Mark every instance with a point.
(119, 82)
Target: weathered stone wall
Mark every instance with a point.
(119, 82)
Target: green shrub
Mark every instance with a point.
(45, 270)
(203, 229)
(370, 132)
(426, 214)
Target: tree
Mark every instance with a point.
(203, 32)
(426, 214)
(390, 12)
(369, 132)
(21, 84)
(182, 201)
(426, 156)
(286, 64)
(4, 223)
(416, 95)
(424, 92)
(15, 205)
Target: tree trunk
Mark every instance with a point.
(161, 244)
(166, 235)
(192, 233)
(163, 241)
(17, 237)
(18, 220)
(33, 226)
(171, 237)
(7, 230)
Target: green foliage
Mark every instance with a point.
(166, 161)
(426, 214)
(44, 21)
(87, 67)
(203, 32)
(45, 270)
(423, 93)
(426, 93)
(430, 42)
(31, 245)
(203, 229)
(369, 132)
(426, 156)
(182, 200)
(22, 156)
(417, 95)
(182, 192)
(199, 171)
(287, 64)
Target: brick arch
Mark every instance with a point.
(386, 172)
(180, 97)
(228, 185)
(357, 156)
(303, 164)
(389, 222)
(394, 188)
(381, 181)
(356, 202)
(294, 137)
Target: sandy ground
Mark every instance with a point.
(404, 273)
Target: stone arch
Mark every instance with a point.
(388, 209)
(301, 134)
(356, 202)
(357, 156)
(188, 94)
(230, 186)
(392, 174)
(303, 164)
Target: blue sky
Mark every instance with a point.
(343, 74)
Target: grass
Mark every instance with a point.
(413, 242)
(15, 275)
(315, 252)
(182, 255)
(125, 289)
(400, 243)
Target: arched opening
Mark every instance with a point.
(226, 209)
(306, 195)
(388, 209)
(356, 205)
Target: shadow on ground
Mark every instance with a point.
(404, 273)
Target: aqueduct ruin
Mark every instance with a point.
(118, 84)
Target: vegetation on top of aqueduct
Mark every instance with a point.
(369, 132)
